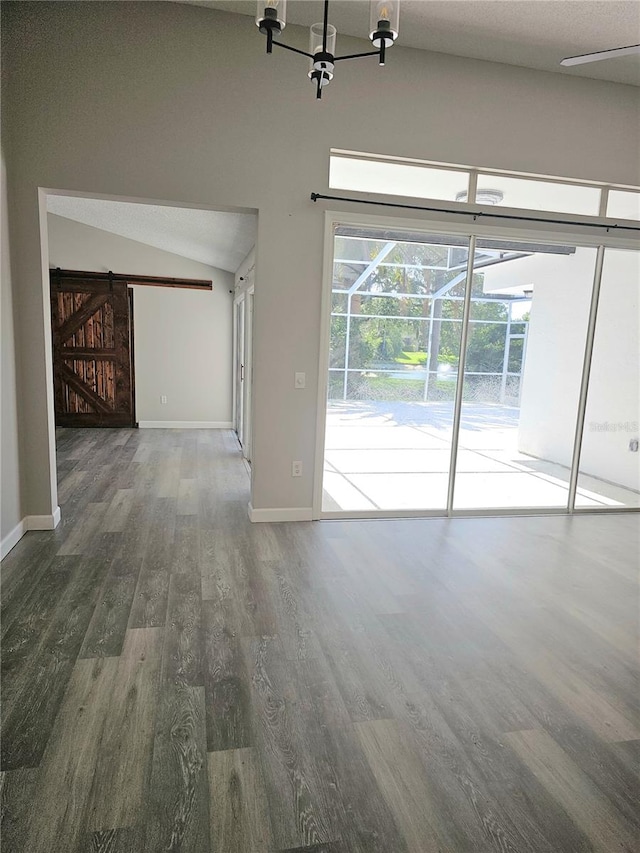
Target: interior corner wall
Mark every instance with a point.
(213, 120)
(11, 515)
(182, 338)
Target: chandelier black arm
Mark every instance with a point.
(355, 55)
(292, 49)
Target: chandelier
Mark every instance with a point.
(383, 31)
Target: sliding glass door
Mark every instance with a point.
(453, 390)
(396, 323)
(528, 324)
(609, 473)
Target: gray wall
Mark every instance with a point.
(180, 103)
(183, 338)
(10, 498)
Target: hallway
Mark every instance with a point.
(175, 678)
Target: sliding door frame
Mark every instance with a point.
(563, 234)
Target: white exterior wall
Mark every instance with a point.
(613, 403)
(180, 103)
(562, 287)
(183, 338)
(555, 347)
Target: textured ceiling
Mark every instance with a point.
(212, 237)
(531, 33)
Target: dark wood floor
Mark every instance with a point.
(178, 679)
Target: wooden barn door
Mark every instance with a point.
(92, 351)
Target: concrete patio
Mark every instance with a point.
(385, 456)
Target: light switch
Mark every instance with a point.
(301, 380)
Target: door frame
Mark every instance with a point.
(239, 308)
(243, 430)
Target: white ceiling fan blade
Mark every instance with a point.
(601, 54)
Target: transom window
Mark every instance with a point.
(459, 184)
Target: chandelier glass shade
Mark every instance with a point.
(383, 31)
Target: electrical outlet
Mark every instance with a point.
(300, 380)
(296, 469)
(163, 399)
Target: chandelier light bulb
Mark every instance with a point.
(384, 17)
(271, 16)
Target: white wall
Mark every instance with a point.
(555, 351)
(10, 496)
(211, 119)
(613, 403)
(562, 287)
(183, 338)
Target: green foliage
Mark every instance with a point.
(416, 359)
(399, 336)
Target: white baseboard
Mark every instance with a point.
(30, 522)
(293, 513)
(185, 424)
(12, 538)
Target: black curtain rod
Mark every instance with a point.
(476, 214)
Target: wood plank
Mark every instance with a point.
(107, 629)
(119, 840)
(230, 573)
(26, 616)
(177, 810)
(403, 783)
(79, 538)
(98, 278)
(59, 817)
(21, 569)
(17, 789)
(588, 807)
(70, 378)
(93, 353)
(168, 479)
(356, 809)
(35, 691)
(124, 757)
(155, 540)
(182, 653)
(72, 324)
(186, 546)
(239, 810)
(117, 513)
(228, 709)
(298, 807)
(187, 497)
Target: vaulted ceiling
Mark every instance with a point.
(213, 237)
(530, 33)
